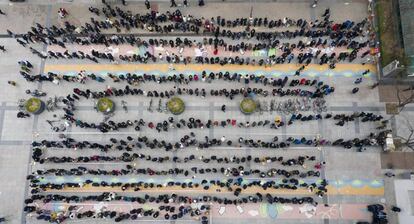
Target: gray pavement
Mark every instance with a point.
(16, 134)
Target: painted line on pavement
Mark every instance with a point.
(2, 114)
(356, 121)
(14, 142)
(394, 126)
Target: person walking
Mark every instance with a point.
(389, 174)
(223, 108)
(2, 48)
(13, 83)
(62, 13)
(173, 3)
(395, 209)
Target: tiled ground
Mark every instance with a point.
(16, 134)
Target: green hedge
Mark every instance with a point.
(34, 105)
(176, 105)
(105, 105)
(248, 106)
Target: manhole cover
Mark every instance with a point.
(398, 143)
(391, 108)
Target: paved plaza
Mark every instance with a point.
(355, 179)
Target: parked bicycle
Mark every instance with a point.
(36, 93)
(124, 106)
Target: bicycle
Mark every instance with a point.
(272, 105)
(21, 104)
(159, 109)
(124, 106)
(107, 117)
(52, 103)
(319, 106)
(150, 106)
(264, 106)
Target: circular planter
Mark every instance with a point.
(176, 105)
(248, 106)
(34, 106)
(105, 105)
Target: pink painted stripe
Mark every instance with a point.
(250, 211)
(188, 52)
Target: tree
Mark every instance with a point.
(404, 99)
(407, 141)
(404, 96)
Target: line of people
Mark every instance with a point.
(340, 35)
(374, 139)
(208, 77)
(75, 212)
(165, 199)
(298, 161)
(239, 171)
(236, 186)
(195, 123)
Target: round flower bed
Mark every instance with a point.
(105, 105)
(176, 105)
(34, 106)
(248, 106)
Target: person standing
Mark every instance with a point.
(395, 209)
(355, 90)
(21, 114)
(28, 64)
(185, 3)
(389, 174)
(147, 4)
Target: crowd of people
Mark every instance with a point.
(195, 123)
(239, 171)
(188, 141)
(136, 79)
(323, 34)
(167, 212)
(223, 179)
(229, 93)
